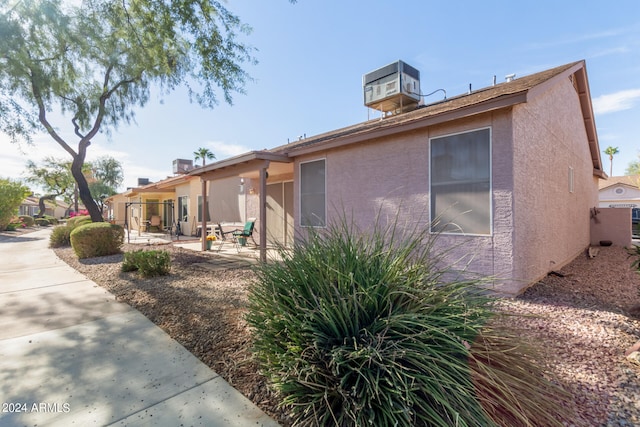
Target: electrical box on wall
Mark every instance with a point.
(392, 88)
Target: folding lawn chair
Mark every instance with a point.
(239, 237)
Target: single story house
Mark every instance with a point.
(506, 176)
(29, 206)
(55, 208)
(620, 192)
(176, 199)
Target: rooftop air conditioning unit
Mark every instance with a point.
(392, 88)
(182, 166)
(143, 181)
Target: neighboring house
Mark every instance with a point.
(58, 208)
(54, 208)
(620, 192)
(505, 175)
(29, 206)
(175, 199)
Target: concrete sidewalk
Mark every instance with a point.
(70, 354)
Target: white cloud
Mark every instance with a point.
(618, 101)
(223, 150)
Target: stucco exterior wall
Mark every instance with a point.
(612, 224)
(225, 200)
(550, 143)
(116, 209)
(388, 180)
(192, 189)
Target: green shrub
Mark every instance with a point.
(12, 193)
(12, 226)
(357, 329)
(148, 263)
(130, 260)
(60, 236)
(97, 239)
(78, 220)
(42, 222)
(52, 220)
(27, 220)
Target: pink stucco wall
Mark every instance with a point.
(538, 225)
(552, 222)
(612, 224)
(388, 180)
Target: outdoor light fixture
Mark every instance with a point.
(241, 185)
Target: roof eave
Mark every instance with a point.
(242, 159)
(504, 101)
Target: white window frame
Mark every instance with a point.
(301, 220)
(431, 212)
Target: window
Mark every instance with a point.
(313, 194)
(183, 208)
(460, 166)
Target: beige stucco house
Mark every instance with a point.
(176, 199)
(55, 208)
(506, 175)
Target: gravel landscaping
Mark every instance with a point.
(582, 318)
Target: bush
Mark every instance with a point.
(148, 263)
(27, 220)
(354, 329)
(97, 239)
(52, 220)
(60, 236)
(79, 220)
(12, 193)
(42, 222)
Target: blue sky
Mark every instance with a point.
(312, 56)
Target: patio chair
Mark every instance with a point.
(155, 222)
(237, 235)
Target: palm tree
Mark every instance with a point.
(611, 151)
(203, 153)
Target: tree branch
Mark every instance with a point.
(76, 127)
(105, 97)
(42, 115)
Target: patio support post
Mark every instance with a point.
(203, 230)
(263, 213)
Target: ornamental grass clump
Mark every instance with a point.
(355, 329)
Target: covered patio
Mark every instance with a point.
(254, 170)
